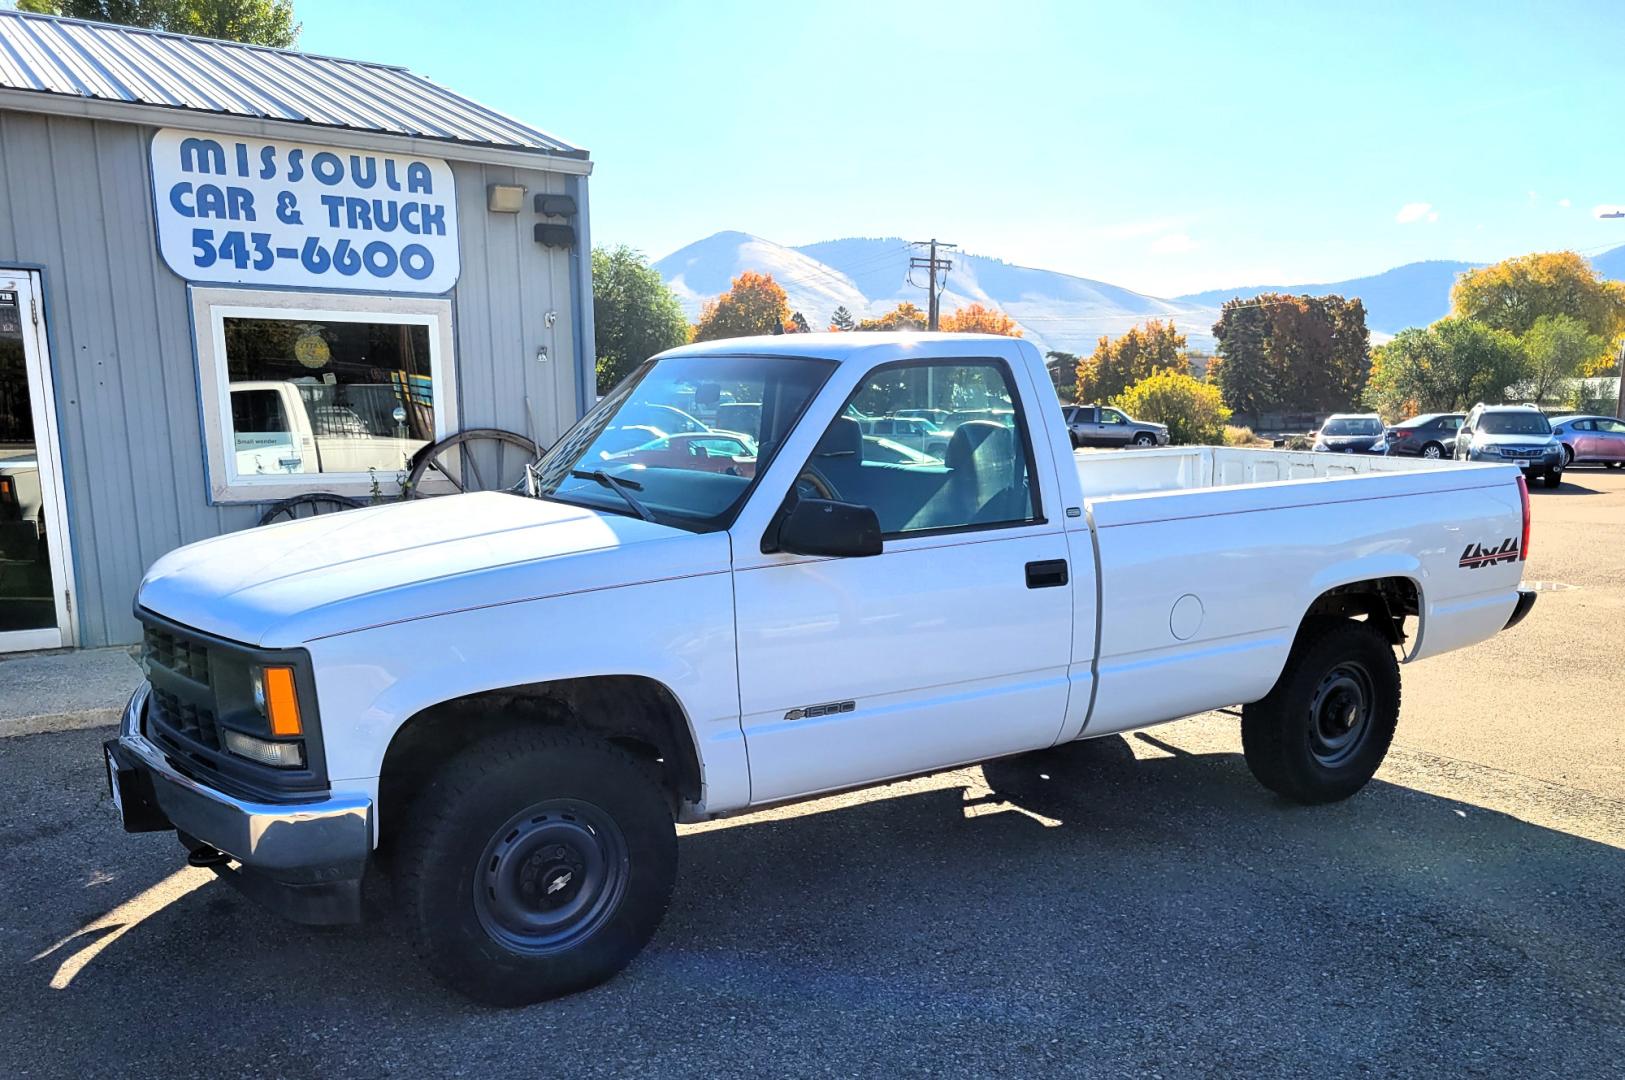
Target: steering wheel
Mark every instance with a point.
(811, 484)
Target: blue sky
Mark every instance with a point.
(1166, 147)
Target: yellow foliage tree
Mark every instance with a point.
(1514, 294)
(1119, 363)
(977, 319)
(905, 316)
(756, 304)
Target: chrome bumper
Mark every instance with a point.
(307, 843)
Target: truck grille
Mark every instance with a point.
(187, 659)
(195, 722)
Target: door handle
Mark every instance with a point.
(1046, 574)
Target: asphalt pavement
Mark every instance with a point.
(1129, 906)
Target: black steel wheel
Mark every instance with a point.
(1322, 731)
(479, 459)
(550, 876)
(535, 862)
(313, 504)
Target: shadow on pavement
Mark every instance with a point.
(1160, 913)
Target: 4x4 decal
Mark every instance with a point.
(1477, 555)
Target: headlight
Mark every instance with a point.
(1379, 446)
(1321, 447)
(278, 755)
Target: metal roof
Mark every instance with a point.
(134, 66)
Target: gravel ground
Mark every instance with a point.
(1127, 906)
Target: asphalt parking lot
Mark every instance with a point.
(1126, 906)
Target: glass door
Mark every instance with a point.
(35, 604)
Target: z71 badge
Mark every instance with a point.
(1477, 555)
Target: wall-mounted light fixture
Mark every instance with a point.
(556, 205)
(557, 236)
(504, 198)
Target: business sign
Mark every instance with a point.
(258, 212)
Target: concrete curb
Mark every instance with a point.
(71, 721)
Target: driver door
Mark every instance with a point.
(952, 645)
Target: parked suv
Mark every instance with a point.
(1431, 435)
(1519, 434)
(1351, 433)
(1100, 425)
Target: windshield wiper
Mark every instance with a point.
(623, 488)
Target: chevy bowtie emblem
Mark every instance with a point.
(1477, 555)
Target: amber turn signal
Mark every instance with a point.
(281, 703)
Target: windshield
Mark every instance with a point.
(1514, 423)
(686, 436)
(1355, 425)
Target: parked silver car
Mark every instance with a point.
(1102, 425)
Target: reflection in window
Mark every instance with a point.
(312, 396)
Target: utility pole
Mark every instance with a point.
(933, 288)
(1619, 392)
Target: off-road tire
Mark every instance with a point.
(447, 833)
(1278, 732)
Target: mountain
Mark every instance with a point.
(1411, 295)
(870, 276)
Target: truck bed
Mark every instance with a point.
(1108, 473)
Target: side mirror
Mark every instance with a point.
(823, 527)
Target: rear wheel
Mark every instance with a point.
(1320, 734)
(536, 863)
(1433, 450)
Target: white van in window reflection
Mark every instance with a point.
(290, 427)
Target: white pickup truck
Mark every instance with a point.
(503, 704)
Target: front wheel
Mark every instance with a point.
(536, 863)
(1321, 732)
(1553, 479)
(1144, 439)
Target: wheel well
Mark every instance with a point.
(1383, 602)
(634, 712)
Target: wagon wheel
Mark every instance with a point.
(312, 504)
(479, 459)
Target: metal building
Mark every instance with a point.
(229, 274)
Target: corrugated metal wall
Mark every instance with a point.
(77, 203)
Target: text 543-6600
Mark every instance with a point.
(378, 258)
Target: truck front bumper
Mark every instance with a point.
(303, 859)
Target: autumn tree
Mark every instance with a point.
(797, 324)
(905, 316)
(1118, 363)
(1559, 348)
(254, 22)
(756, 304)
(1514, 294)
(842, 320)
(1192, 409)
(978, 319)
(634, 314)
(1294, 353)
(1447, 367)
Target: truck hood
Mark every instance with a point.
(283, 585)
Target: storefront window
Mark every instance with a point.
(310, 397)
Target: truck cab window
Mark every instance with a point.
(973, 471)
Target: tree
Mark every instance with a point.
(1117, 364)
(1293, 353)
(842, 320)
(756, 304)
(634, 314)
(977, 319)
(1559, 348)
(1447, 367)
(1193, 410)
(254, 22)
(905, 316)
(1515, 293)
(797, 324)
